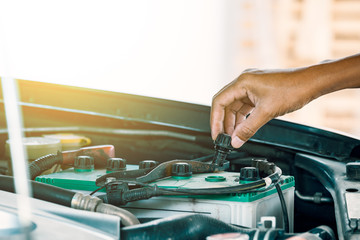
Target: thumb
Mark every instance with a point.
(247, 128)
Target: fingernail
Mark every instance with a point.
(237, 142)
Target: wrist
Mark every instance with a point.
(332, 76)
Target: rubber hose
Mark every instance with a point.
(194, 226)
(318, 233)
(198, 226)
(43, 163)
(41, 191)
(321, 232)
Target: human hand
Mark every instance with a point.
(262, 94)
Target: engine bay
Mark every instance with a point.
(114, 166)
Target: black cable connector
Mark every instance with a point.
(118, 193)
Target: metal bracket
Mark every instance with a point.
(161, 171)
(353, 209)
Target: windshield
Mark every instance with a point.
(180, 50)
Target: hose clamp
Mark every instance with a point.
(85, 202)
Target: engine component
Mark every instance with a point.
(237, 208)
(163, 170)
(53, 221)
(181, 170)
(84, 164)
(41, 191)
(118, 193)
(71, 199)
(68, 179)
(249, 174)
(44, 163)
(353, 170)
(94, 204)
(284, 210)
(316, 198)
(148, 164)
(318, 233)
(353, 210)
(99, 153)
(222, 148)
(181, 227)
(212, 184)
(115, 164)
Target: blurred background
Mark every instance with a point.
(183, 50)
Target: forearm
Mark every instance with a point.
(267, 94)
(335, 75)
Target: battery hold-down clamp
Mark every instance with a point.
(147, 175)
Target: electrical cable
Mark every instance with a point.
(283, 207)
(148, 191)
(215, 191)
(274, 177)
(271, 186)
(96, 190)
(158, 191)
(122, 194)
(44, 163)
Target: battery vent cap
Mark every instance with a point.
(115, 164)
(181, 170)
(84, 164)
(148, 164)
(249, 174)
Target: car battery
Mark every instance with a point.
(245, 209)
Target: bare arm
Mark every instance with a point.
(267, 94)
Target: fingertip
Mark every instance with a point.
(236, 142)
(214, 135)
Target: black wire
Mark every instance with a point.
(271, 186)
(243, 188)
(214, 191)
(247, 187)
(96, 190)
(283, 207)
(166, 191)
